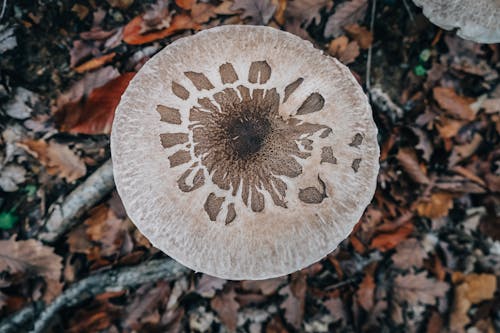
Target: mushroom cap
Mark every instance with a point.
(243, 152)
(477, 20)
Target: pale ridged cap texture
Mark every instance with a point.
(243, 152)
(477, 20)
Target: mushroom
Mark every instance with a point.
(243, 152)
(477, 20)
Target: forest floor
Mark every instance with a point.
(425, 257)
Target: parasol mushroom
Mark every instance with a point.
(477, 20)
(243, 152)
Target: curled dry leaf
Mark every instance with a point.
(94, 115)
(455, 105)
(58, 159)
(295, 300)
(437, 206)
(31, 257)
(132, 32)
(408, 159)
(345, 51)
(227, 307)
(417, 289)
(95, 63)
(346, 13)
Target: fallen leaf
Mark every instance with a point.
(8, 39)
(387, 241)
(491, 105)
(294, 303)
(346, 13)
(260, 12)
(462, 152)
(471, 289)
(95, 63)
(21, 105)
(437, 206)
(307, 11)
(225, 8)
(106, 229)
(409, 253)
(156, 17)
(418, 289)
(336, 308)
(94, 115)
(58, 159)
(31, 257)
(10, 176)
(132, 32)
(185, 4)
(80, 10)
(365, 292)
(227, 308)
(208, 285)
(144, 305)
(122, 4)
(455, 105)
(408, 159)
(360, 34)
(202, 12)
(345, 51)
(266, 287)
(448, 127)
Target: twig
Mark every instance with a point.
(63, 214)
(119, 279)
(4, 7)
(407, 7)
(16, 322)
(369, 60)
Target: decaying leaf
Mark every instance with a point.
(21, 105)
(387, 241)
(418, 289)
(30, 257)
(360, 34)
(409, 253)
(144, 307)
(345, 51)
(437, 206)
(208, 285)
(346, 13)
(260, 12)
(307, 11)
(294, 303)
(95, 114)
(455, 105)
(95, 63)
(365, 292)
(266, 287)
(202, 12)
(58, 159)
(227, 307)
(10, 176)
(408, 159)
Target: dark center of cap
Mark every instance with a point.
(247, 134)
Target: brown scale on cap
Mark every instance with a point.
(241, 140)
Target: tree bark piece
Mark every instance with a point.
(64, 213)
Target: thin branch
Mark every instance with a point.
(17, 322)
(4, 7)
(64, 213)
(118, 279)
(369, 60)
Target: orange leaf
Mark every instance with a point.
(365, 292)
(96, 114)
(95, 63)
(132, 35)
(455, 105)
(437, 206)
(387, 241)
(185, 4)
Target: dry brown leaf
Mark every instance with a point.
(491, 105)
(448, 127)
(418, 289)
(360, 34)
(471, 289)
(437, 206)
(208, 285)
(144, 305)
(365, 292)
(185, 4)
(455, 105)
(225, 8)
(95, 63)
(409, 253)
(260, 12)
(266, 287)
(294, 303)
(307, 11)
(227, 308)
(346, 13)
(202, 12)
(462, 152)
(58, 159)
(122, 4)
(336, 308)
(408, 159)
(31, 257)
(94, 115)
(387, 241)
(133, 35)
(345, 51)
